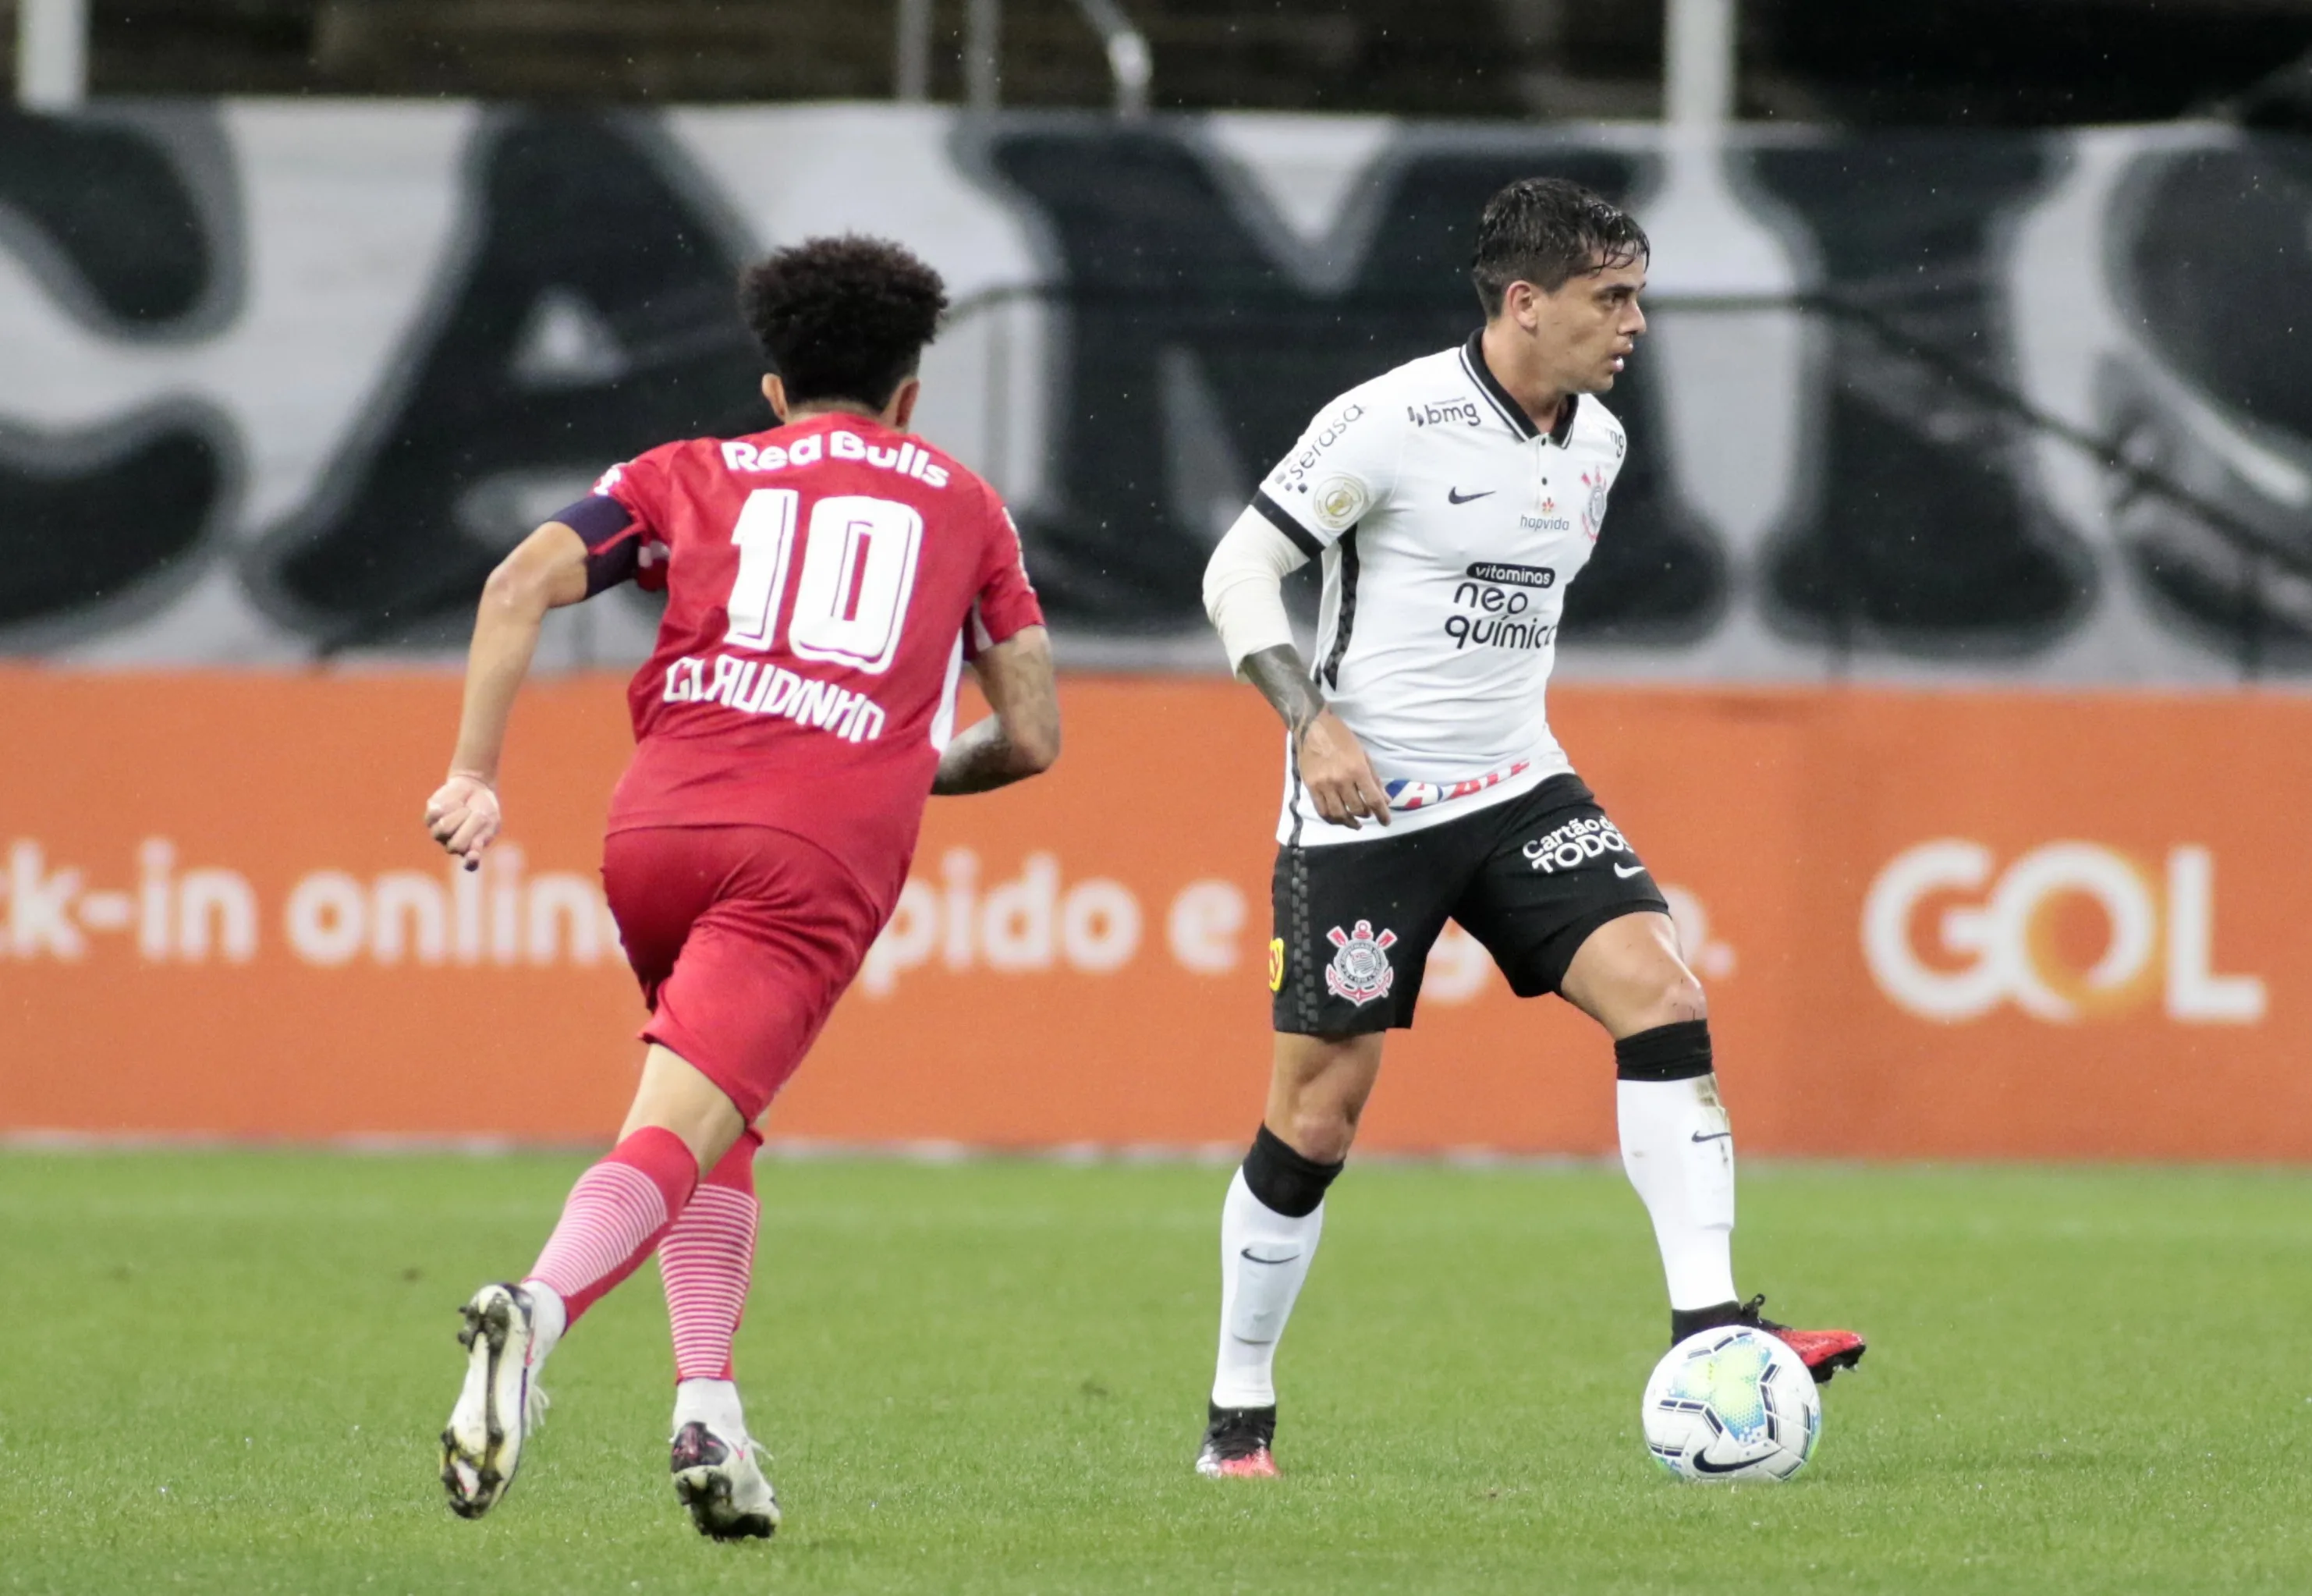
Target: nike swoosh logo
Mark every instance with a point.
(1715, 1135)
(1626, 871)
(1250, 1255)
(1454, 496)
(1703, 1465)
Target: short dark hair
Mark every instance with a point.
(842, 318)
(1546, 232)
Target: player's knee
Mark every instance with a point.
(1320, 1131)
(1287, 1178)
(1668, 994)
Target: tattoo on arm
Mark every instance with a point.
(976, 760)
(1283, 680)
(981, 759)
(1022, 736)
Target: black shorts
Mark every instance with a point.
(1531, 879)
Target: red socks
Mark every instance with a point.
(708, 1260)
(616, 1215)
(642, 1198)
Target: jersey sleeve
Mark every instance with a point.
(1006, 603)
(618, 523)
(1344, 468)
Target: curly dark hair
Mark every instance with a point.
(842, 318)
(1546, 231)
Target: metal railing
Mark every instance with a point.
(1131, 64)
(51, 53)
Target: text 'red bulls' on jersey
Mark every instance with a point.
(825, 582)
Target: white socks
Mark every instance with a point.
(1264, 1258)
(714, 1403)
(1679, 1154)
(548, 1318)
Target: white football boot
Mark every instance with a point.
(499, 1405)
(719, 1477)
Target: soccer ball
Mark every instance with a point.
(1731, 1404)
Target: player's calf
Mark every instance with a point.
(1271, 1221)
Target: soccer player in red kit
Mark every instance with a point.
(827, 583)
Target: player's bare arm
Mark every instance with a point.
(546, 571)
(1331, 763)
(1022, 736)
(1244, 595)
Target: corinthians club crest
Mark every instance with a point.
(1594, 515)
(1359, 971)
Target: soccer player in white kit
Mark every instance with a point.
(1452, 501)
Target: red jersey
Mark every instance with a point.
(825, 582)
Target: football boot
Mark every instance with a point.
(1824, 1352)
(1237, 1441)
(498, 1405)
(721, 1481)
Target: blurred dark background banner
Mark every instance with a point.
(287, 380)
(1979, 63)
(1938, 388)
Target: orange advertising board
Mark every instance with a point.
(1932, 925)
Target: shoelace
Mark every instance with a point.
(1751, 1315)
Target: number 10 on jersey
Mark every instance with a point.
(858, 569)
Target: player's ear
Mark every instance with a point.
(1521, 302)
(901, 409)
(775, 389)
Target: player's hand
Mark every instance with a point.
(463, 816)
(1340, 779)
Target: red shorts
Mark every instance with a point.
(742, 937)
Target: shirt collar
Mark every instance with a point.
(1473, 361)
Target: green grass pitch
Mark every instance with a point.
(224, 1371)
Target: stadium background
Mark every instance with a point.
(1947, 653)
(1946, 649)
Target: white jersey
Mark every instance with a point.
(1449, 525)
